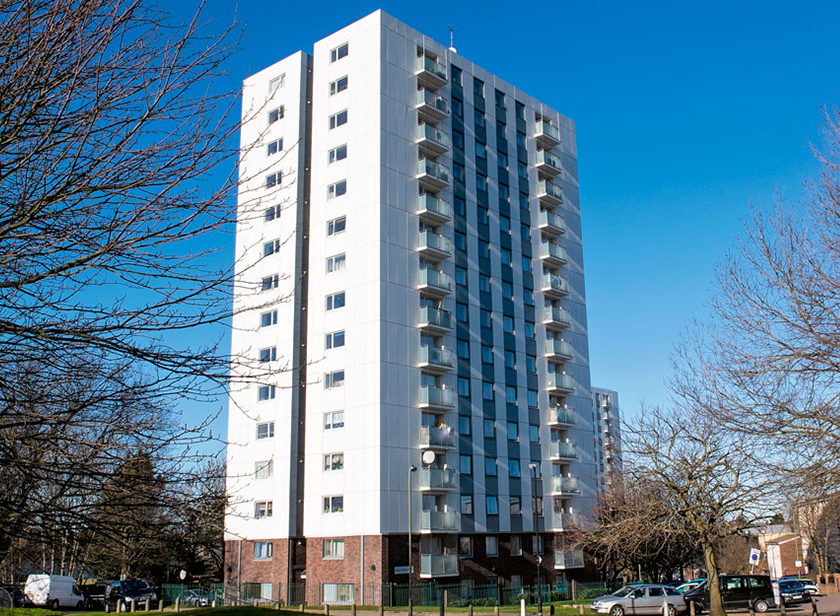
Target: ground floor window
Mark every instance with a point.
(257, 590)
(339, 593)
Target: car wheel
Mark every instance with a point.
(80, 605)
(761, 606)
(698, 607)
(672, 610)
(54, 605)
(616, 610)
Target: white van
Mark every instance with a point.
(53, 591)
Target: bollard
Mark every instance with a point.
(814, 611)
(326, 609)
(301, 608)
(160, 605)
(496, 610)
(692, 609)
(752, 610)
(551, 609)
(177, 604)
(665, 606)
(522, 607)
(381, 609)
(213, 603)
(470, 609)
(441, 608)
(783, 607)
(580, 607)
(133, 605)
(148, 605)
(353, 610)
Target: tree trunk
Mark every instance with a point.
(715, 600)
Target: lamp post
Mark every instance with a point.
(411, 469)
(538, 558)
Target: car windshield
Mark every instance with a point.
(134, 585)
(624, 591)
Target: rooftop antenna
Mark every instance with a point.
(451, 39)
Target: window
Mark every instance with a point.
(337, 119)
(490, 467)
(514, 468)
(478, 88)
(483, 249)
(275, 146)
(263, 550)
(460, 276)
(337, 189)
(504, 192)
(528, 296)
(263, 509)
(339, 85)
(515, 505)
(466, 504)
(489, 428)
(520, 139)
(334, 548)
(269, 248)
(333, 504)
(268, 319)
(515, 545)
(334, 340)
(273, 179)
(484, 283)
(459, 173)
(523, 201)
(275, 114)
(510, 359)
(462, 313)
(513, 431)
(479, 119)
(463, 349)
(500, 99)
(334, 379)
(480, 150)
(492, 546)
(507, 290)
(531, 364)
(487, 390)
(263, 469)
(511, 395)
(337, 54)
(336, 300)
(464, 425)
(529, 330)
(339, 153)
(465, 466)
(534, 434)
(465, 547)
(336, 263)
(460, 206)
(265, 430)
(492, 505)
(460, 241)
(268, 354)
(526, 264)
(269, 282)
(267, 392)
(532, 398)
(457, 75)
(333, 461)
(486, 318)
(538, 502)
(272, 213)
(276, 83)
(504, 224)
(336, 225)
(334, 420)
(481, 182)
(458, 107)
(503, 160)
(520, 111)
(463, 387)
(458, 140)
(508, 324)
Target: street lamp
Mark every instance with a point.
(411, 469)
(538, 558)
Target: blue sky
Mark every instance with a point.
(686, 113)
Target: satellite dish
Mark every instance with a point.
(428, 457)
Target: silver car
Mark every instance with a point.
(640, 599)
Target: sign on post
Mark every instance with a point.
(755, 554)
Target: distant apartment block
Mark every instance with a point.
(607, 435)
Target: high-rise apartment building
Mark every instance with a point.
(607, 417)
(410, 309)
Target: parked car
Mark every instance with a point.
(792, 592)
(812, 588)
(639, 599)
(689, 585)
(53, 591)
(197, 598)
(737, 591)
(118, 595)
(94, 595)
(19, 598)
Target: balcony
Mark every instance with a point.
(556, 318)
(430, 72)
(434, 245)
(436, 359)
(440, 398)
(558, 350)
(433, 282)
(431, 139)
(438, 521)
(553, 254)
(566, 521)
(561, 450)
(561, 416)
(432, 174)
(549, 193)
(438, 479)
(551, 223)
(568, 559)
(547, 136)
(548, 163)
(431, 106)
(565, 485)
(435, 320)
(554, 286)
(560, 382)
(438, 566)
(433, 210)
(438, 437)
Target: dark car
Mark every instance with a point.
(737, 591)
(94, 595)
(118, 595)
(197, 598)
(792, 592)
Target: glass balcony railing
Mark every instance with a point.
(566, 521)
(565, 450)
(430, 278)
(431, 66)
(555, 283)
(432, 436)
(437, 479)
(554, 252)
(568, 559)
(439, 520)
(431, 100)
(436, 356)
(547, 133)
(436, 396)
(552, 222)
(435, 317)
(429, 240)
(557, 315)
(550, 191)
(558, 347)
(434, 207)
(561, 415)
(549, 160)
(436, 136)
(432, 565)
(431, 169)
(565, 485)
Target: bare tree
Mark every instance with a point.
(111, 125)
